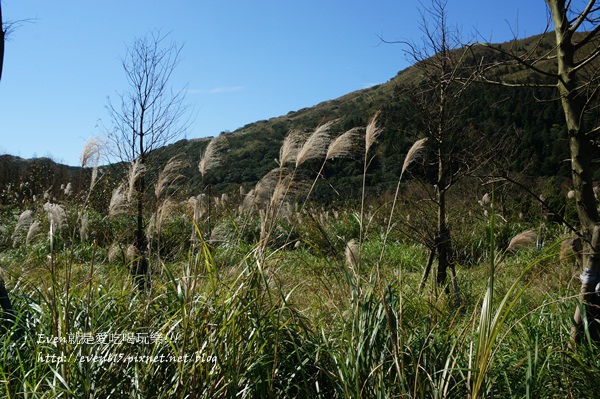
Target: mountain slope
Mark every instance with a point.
(253, 148)
(492, 111)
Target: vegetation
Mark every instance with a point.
(300, 272)
(575, 78)
(149, 116)
(264, 300)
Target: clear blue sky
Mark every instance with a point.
(243, 60)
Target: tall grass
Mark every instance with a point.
(296, 311)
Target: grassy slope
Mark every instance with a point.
(291, 318)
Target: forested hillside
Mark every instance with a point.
(530, 120)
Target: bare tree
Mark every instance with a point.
(571, 66)
(6, 28)
(148, 116)
(437, 98)
(4, 298)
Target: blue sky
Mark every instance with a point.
(242, 60)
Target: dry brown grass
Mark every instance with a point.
(212, 155)
(316, 145)
(290, 147)
(372, 133)
(344, 145)
(522, 240)
(168, 175)
(136, 170)
(413, 153)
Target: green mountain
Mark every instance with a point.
(527, 118)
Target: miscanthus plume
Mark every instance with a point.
(316, 145)
(212, 155)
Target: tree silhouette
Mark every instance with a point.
(148, 116)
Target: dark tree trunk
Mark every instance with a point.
(7, 309)
(2, 34)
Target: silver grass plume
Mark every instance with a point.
(25, 220)
(113, 252)
(83, 228)
(168, 175)
(33, 231)
(372, 133)
(249, 201)
(56, 215)
(522, 240)
(284, 188)
(91, 156)
(163, 213)
(197, 203)
(151, 227)
(118, 201)
(316, 145)
(352, 253)
(413, 153)
(343, 145)
(290, 147)
(212, 155)
(485, 200)
(263, 191)
(136, 169)
(91, 152)
(132, 252)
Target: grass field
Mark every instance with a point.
(266, 294)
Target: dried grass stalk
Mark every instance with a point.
(212, 155)
(290, 147)
(344, 144)
(136, 169)
(33, 231)
(25, 220)
(316, 145)
(413, 153)
(352, 254)
(118, 201)
(522, 240)
(56, 214)
(372, 133)
(168, 175)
